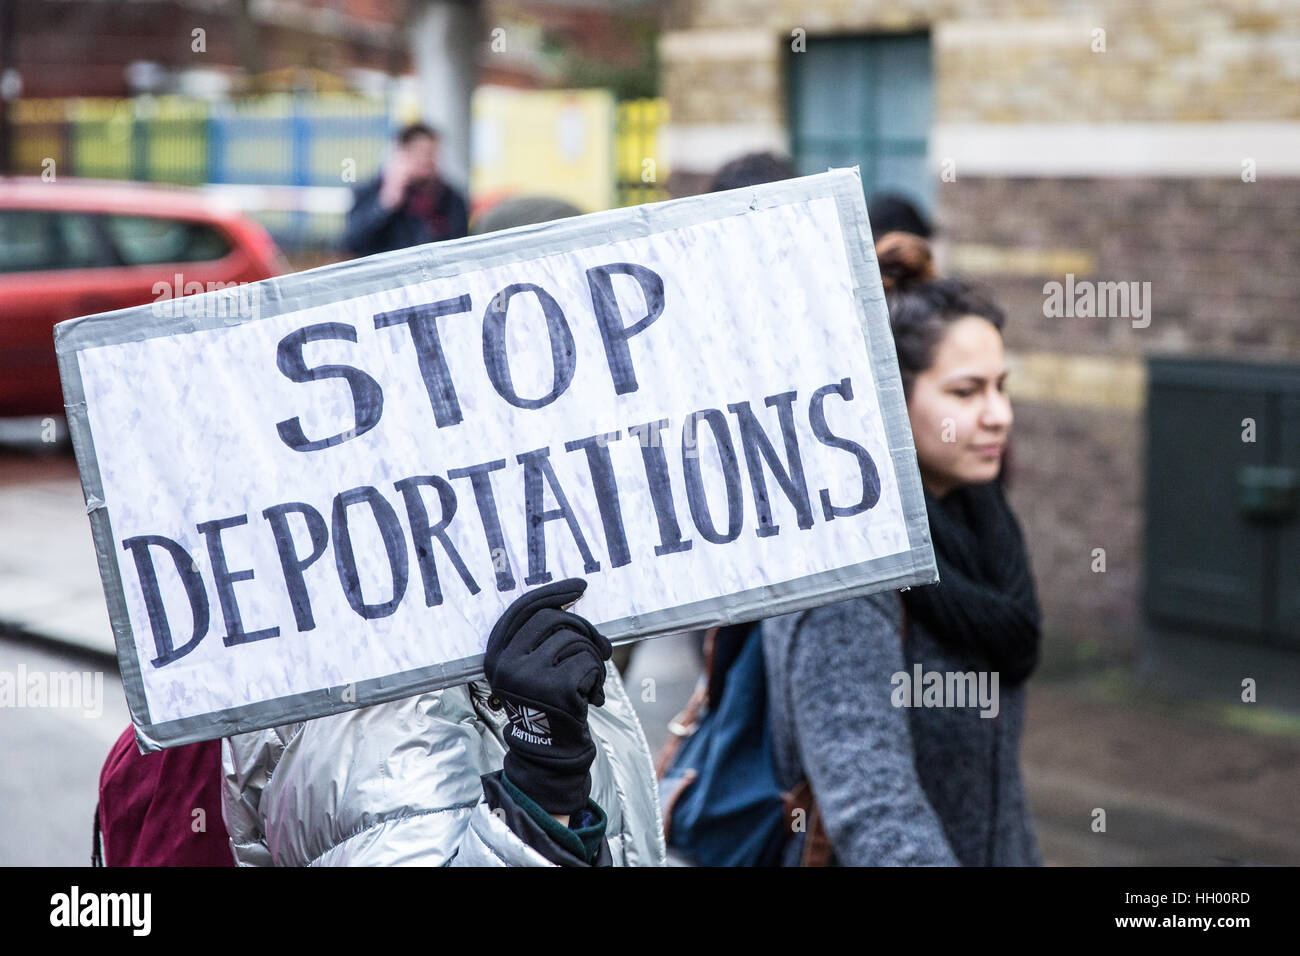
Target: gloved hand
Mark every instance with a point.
(546, 666)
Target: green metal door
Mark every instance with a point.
(1288, 543)
(1223, 456)
(865, 101)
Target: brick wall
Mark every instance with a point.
(81, 48)
(1015, 60)
(1076, 478)
(1219, 252)
(1220, 255)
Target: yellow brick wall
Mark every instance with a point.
(1007, 60)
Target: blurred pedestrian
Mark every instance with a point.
(891, 212)
(899, 780)
(409, 203)
(522, 211)
(751, 169)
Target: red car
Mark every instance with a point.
(71, 248)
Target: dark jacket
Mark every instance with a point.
(371, 228)
(896, 785)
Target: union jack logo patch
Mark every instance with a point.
(529, 723)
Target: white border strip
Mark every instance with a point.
(1212, 149)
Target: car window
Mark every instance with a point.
(153, 240)
(37, 240)
(26, 240)
(77, 243)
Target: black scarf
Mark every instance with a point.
(984, 606)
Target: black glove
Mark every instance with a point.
(545, 666)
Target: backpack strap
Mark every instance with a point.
(681, 727)
(670, 800)
(801, 809)
(684, 724)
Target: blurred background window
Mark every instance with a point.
(865, 101)
(78, 242)
(33, 241)
(151, 240)
(26, 241)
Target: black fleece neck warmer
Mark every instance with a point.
(984, 606)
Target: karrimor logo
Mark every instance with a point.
(529, 724)
(75, 908)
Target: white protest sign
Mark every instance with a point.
(322, 492)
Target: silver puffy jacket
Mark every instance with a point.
(398, 784)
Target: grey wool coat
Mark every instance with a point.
(896, 785)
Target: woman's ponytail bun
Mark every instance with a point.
(921, 306)
(905, 259)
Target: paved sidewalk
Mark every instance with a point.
(49, 581)
(1180, 785)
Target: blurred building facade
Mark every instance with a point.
(1105, 141)
(195, 47)
(199, 47)
(301, 98)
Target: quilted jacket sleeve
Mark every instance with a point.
(395, 784)
(855, 746)
(246, 762)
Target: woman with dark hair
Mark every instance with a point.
(904, 773)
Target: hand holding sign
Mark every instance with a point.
(546, 666)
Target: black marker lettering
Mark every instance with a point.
(870, 476)
(497, 360)
(367, 396)
(345, 559)
(423, 534)
(537, 467)
(758, 449)
(190, 578)
(481, 478)
(225, 580)
(291, 563)
(695, 496)
(661, 488)
(422, 320)
(612, 330)
(605, 487)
